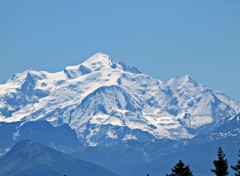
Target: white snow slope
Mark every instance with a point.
(103, 99)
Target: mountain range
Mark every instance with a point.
(103, 106)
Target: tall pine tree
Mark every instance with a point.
(221, 164)
(236, 168)
(180, 170)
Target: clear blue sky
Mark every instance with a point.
(163, 38)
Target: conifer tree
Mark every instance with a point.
(221, 164)
(236, 168)
(180, 170)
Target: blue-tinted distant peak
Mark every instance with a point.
(100, 54)
(186, 78)
(100, 61)
(98, 57)
(182, 80)
(27, 74)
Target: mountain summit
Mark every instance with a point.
(106, 101)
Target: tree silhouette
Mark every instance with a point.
(221, 164)
(180, 170)
(236, 168)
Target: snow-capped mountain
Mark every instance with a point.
(107, 101)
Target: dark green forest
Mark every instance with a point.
(220, 167)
